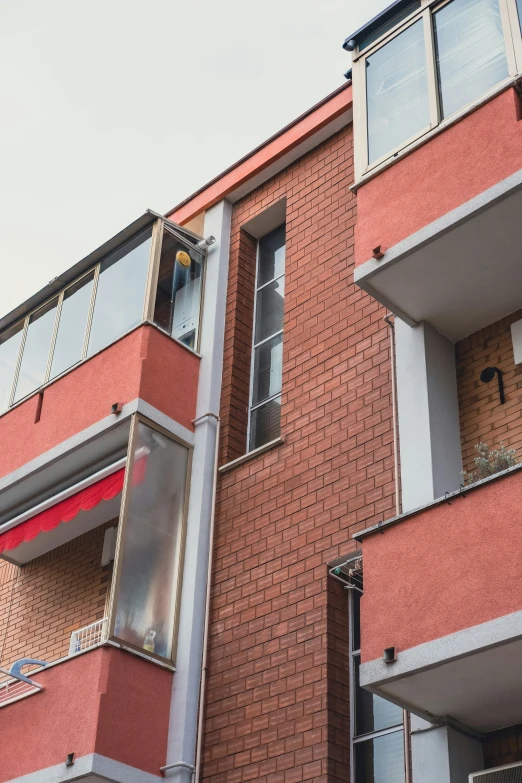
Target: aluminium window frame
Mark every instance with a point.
(111, 602)
(359, 739)
(512, 34)
(255, 345)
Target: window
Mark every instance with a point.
(68, 349)
(397, 92)
(377, 726)
(121, 292)
(10, 342)
(439, 59)
(36, 350)
(151, 541)
(469, 46)
(267, 360)
(178, 294)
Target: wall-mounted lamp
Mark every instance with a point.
(487, 375)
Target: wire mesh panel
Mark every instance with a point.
(87, 637)
(510, 774)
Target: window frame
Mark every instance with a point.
(149, 298)
(359, 739)
(512, 34)
(252, 408)
(136, 419)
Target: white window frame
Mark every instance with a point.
(358, 739)
(513, 47)
(255, 345)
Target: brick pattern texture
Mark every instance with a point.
(277, 696)
(503, 747)
(42, 602)
(482, 417)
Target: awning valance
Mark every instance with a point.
(63, 511)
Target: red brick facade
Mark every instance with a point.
(277, 700)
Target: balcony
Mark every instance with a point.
(442, 586)
(85, 707)
(439, 162)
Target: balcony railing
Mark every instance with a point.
(87, 637)
(15, 685)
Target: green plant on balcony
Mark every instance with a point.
(488, 462)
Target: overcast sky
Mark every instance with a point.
(112, 106)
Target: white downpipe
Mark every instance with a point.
(394, 416)
(203, 680)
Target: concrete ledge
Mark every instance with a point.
(91, 768)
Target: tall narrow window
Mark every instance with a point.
(71, 328)
(397, 92)
(470, 51)
(36, 350)
(120, 292)
(178, 294)
(9, 349)
(377, 725)
(267, 365)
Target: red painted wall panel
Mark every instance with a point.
(87, 707)
(471, 156)
(445, 569)
(144, 363)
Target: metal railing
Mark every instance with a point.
(14, 685)
(87, 637)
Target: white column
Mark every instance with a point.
(429, 432)
(441, 754)
(186, 682)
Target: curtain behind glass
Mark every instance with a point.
(149, 561)
(469, 46)
(397, 92)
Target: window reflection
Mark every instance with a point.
(380, 760)
(36, 350)
(71, 328)
(178, 294)
(469, 44)
(151, 544)
(120, 292)
(9, 349)
(397, 92)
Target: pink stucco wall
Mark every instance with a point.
(144, 363)
(87, 707)
(469, 157)
(445, 569)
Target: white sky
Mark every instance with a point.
(112, 106)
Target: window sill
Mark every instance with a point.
(430, 134)
(251, 455)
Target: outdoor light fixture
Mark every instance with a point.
(205, 243)
(488, 374)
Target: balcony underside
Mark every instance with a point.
(482, 691)
(469, 256)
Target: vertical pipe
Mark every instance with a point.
(394, 416)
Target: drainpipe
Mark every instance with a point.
(203, 679)
(394, 417)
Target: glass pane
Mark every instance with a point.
(380, 760)
(151, 544)
(469, 46)
(397, 92)
(265, 423)
(519, 8)
(178, 294)
(71, 329)
(36, 350)
(371, 712)
(268, 367)
(9, 348)
(356, 620)
(364, 43)
(271, 255)
(269, 309)
(121, 291)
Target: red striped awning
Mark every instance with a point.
(63, 511)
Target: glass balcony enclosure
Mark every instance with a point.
(155, 275)
(430, 63)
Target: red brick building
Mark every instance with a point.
(237, 543)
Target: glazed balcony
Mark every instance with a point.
(442, 591)
(439, 160)
(121, 325)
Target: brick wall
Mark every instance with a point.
(482, 418)
(42, 602)
(503, 747)
(277, 701)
